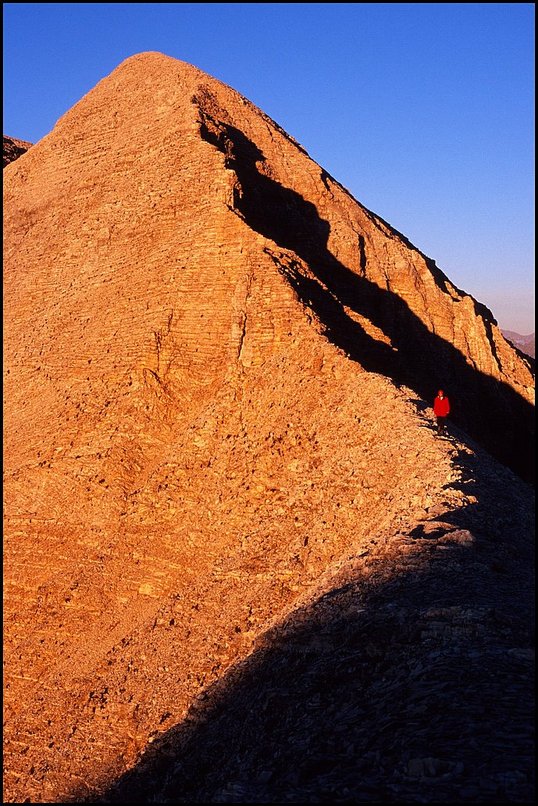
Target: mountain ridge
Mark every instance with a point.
(216, 404)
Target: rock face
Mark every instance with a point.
(218, 368)
(13, 149)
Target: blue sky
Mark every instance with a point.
(424, 112)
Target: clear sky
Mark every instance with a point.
(423, 111)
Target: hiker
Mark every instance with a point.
(441, 409)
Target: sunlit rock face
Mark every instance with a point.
(218, 368)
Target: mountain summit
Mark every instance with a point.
(219, 370)
(139, 184)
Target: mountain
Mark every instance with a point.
(523, 343)
(13, 149)
(222, 478)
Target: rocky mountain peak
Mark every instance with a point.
(219, 369)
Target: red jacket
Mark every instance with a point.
(441, 406)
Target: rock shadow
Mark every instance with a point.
(413, 685)
(491, 412)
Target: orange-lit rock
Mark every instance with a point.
(217, 368)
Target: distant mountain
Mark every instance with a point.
(523, 343)
(13, 149)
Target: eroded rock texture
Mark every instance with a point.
(218, 367)
(13, 149)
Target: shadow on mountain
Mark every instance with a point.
(489, 411)
(411, 679)
(406, 685)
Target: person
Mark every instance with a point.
(441, 409)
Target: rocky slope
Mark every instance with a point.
(13, 149)
(406, 677)
(218, 368)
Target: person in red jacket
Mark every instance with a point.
(441, 409)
